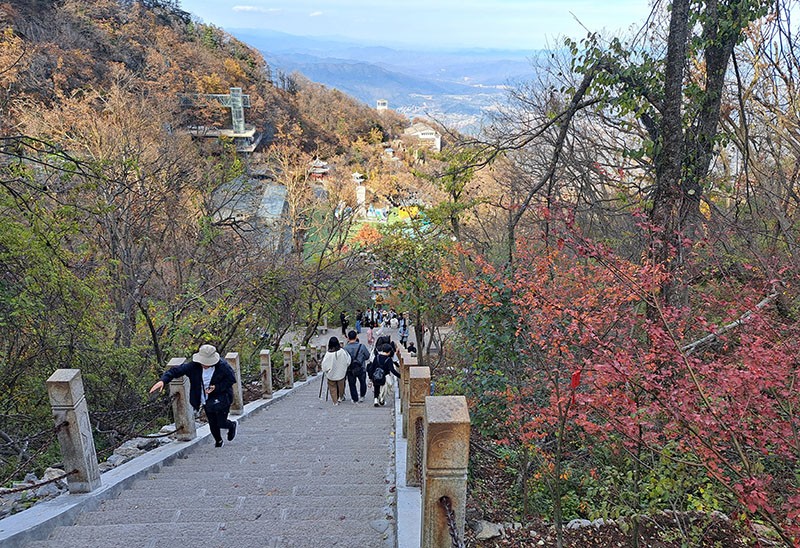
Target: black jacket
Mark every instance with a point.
(223, 380)
(385, 363)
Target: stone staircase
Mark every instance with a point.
(300, 473)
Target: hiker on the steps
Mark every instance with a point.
(379, 370)
(359, 356)
(334, 366)
(211, 382)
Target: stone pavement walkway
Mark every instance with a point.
(300, 473)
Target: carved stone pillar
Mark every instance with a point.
(303, 363)
(321, 349)
(404, 389)
(266, 374)
(237, 407)
(65, 388)
(288, 367)
(445, 476)
(419, 389)
(185, 429)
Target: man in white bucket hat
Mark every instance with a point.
(211, 381)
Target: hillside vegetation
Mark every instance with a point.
(122, 238)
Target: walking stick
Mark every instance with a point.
(320, 387)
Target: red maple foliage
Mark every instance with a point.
(716, 380)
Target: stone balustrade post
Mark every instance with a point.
(408, 363)
(419, 389)
(182, 412)
(321, 349)
(266, 374)
(402, 357)
(71, 414)
(237, 407)
(303, 363)
(288, 367)
(446, 459)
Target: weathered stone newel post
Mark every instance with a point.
(65, 388)
(237, 407)
(303, 363)
(419, 389)
(401, 359)
(321, 349)
(445, 477)
(408, 363)
(288, 367)
(266, 374)
(185, 428)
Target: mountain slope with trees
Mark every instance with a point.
(121, 245)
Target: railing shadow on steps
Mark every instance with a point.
(87, 487)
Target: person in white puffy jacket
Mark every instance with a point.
(334, 366)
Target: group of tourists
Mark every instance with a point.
(353, 364)
(373, 318)
(211, 378)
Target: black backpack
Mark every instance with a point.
(378, 375)
(354, 365)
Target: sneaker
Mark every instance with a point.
(232, 431)
(341, 398)
(220, 443)
(383, 402)
(376, 404)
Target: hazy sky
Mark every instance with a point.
(516, 24)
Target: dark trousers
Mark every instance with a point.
(361, 375)
(377, 388)
(218, 420)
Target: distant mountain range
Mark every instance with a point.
(456, 88)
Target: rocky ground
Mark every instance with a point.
(660, 532)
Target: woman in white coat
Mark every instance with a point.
(334, 366)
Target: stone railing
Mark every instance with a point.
(437, 429)
(74, 429)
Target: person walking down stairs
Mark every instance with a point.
(359, 356)
(334, 366)
(211, 381)
(379, 371)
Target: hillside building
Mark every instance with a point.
(425, 134)
(244, 136)
(318, 170)
(382, 104)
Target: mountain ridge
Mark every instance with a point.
(457, 87)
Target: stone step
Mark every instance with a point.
(260, 541)
(198, 533)
(190, 499)
(245, 511)
(343, 499)
(256, 486)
